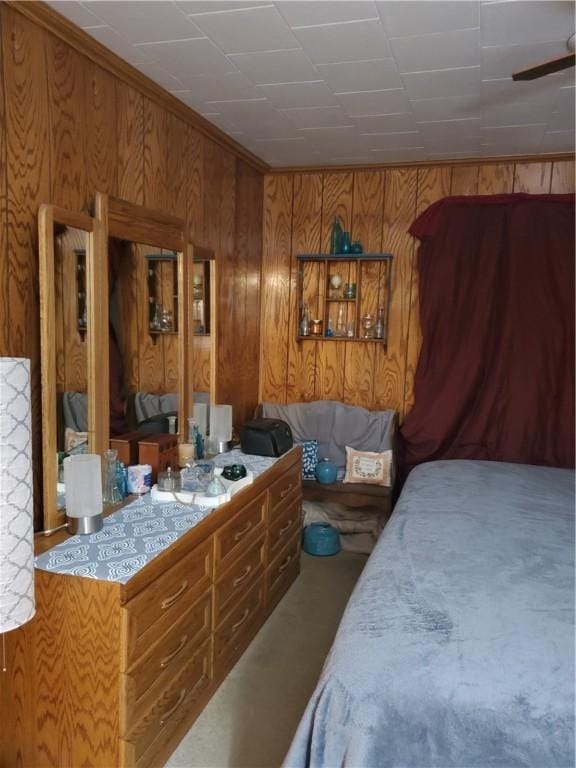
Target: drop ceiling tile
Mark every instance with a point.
(118, 45)
(304, 13)
(515, 114)
(558, 141)
(182, 57)
(374, 103)
(317, 117)
(526, 135)
(75, 12)
(350, 159)
(408, 155)
(385, 123)
(255, 29)
(392, 140)
(192, 7)
(375, 75)
(230, 86)
(402, 19)
(344, 42)
(268, 67)
(454, 155)
(437, 51)
(447, 129)
(447, 107)
(464, 81)
(454, 144)
(502, 60)
(561, 121)
(506, 91)
(297, 95)
(329, 134)
(145, 22)
(514, 23)
(257, 118)
(160, 76)
(565, 103)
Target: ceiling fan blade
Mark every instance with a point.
(547, 68)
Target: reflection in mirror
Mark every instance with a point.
(70, 253)
(204, 327)
(70, 264)
(144, 338)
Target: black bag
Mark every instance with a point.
(266, 437)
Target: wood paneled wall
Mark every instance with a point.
(378, 207)
(68, 127)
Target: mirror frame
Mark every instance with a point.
(96, 287)
(138, 224)
(199, 253)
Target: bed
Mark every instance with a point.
(457, 645)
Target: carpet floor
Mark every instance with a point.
(252, 717)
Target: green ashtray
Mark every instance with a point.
(234, 471)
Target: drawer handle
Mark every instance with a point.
(239, 579)
(286, 491)
(286, 527)
(243, 531)
(285, 564)
(241, 620)
(167, 659)
(168, 715)
(167, 602)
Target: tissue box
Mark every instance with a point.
(309, 458)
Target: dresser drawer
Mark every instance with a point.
(283, 570)
(147, 679)
(283, 527)
(151, 613)
(237, 534)
(238, 579)
(233, 635)
(174, 705)
(286, 486)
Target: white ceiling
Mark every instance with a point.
(335, 83)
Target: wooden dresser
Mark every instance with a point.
(122, 670)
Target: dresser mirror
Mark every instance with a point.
(72, 273)
(149, 310)
(204, 320)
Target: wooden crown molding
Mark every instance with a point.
(501, 160)
(58, 25)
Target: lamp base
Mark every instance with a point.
(84, 525)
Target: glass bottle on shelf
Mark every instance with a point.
(368, 326)
(111, 493)
(335, 235)
(340, 322)
(379, 327)
(305, 322)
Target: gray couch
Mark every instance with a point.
(336, 425)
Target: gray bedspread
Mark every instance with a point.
(457, 646)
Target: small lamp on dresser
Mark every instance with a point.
(17, 605)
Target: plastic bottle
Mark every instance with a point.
(336, 235)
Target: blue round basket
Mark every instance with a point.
(321, 539)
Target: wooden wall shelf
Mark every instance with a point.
(362, 316)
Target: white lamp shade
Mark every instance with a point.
(83, 483)
(221, 422)
(17, 604)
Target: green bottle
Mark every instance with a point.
(336, 235)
